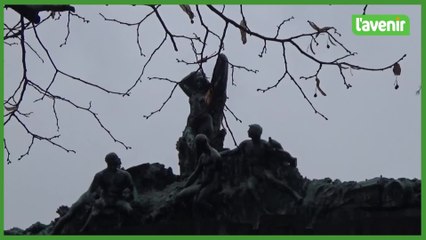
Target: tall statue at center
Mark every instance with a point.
(207, 101)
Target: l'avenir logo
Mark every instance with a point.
(381, 25)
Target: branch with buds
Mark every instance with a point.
(14, 35)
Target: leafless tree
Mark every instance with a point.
(15, 36)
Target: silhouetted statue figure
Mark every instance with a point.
(204, 180)
(116, 187)
(195, 86)
(256, 153)
(279, 153)
(207, 101)
(112, 187)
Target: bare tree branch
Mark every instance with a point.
(68, 30)
(165, 27)
(295, 82)
(163, 79)
(55, 114)
(137, 24)
(80, 17)
(146, 64)
(233, 67)
(281, 24)
(167, 99)
(164, 103)
(8, 161)
(12, 104)
(86, 109)
(24, 80)
(229, 129)
(329, 32)
(11, 44)
(233, 114)
(222, 39)
(200, 61)
(40, 138)
(68, 75)
(202, 54)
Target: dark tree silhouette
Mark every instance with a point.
(31, 17)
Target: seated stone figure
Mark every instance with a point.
(281, 163)
(255, 154)
(116, 187)
(204, 181)
(112, 187)
(279, 153)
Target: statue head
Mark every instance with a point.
(200, 81)
(112, 160)
(197, 81)
(201, 142)
(255, 131)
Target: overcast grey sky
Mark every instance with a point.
(372, 130)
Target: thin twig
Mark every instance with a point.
(68, 30)
(233, 114)
(281, 24)
(80, 17)
(163, 79)
(86, 109)
(264, 49)
(8, 161)
(24, 81)
(40, 138)
(165, 27)
(229, 129)
(34, 51)
(55, 114)
(137, 24)
(146, 64)
(313, 76)
(68, 75)
(365, 9)
(222, 39)
(233, 67)
(163, 104)
(295, 82)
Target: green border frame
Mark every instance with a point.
(296, 2)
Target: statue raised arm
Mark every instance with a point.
(207, 101)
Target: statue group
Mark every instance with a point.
(206, 167)
(245, 169)
(225, 186)
(211, 168)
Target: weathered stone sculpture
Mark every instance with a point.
(204, 181)
(207, 101)
(111, 189)
(377, 206)
(255, 159)
(116, 187)
(257, 154)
